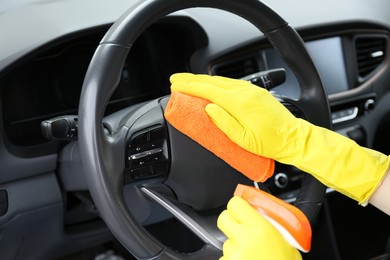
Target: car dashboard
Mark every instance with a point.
(42, 79)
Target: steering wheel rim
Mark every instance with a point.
(102, 169)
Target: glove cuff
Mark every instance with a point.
(339, 162)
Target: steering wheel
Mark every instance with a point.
(110, 160)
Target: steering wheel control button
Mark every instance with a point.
(147, 154)
(154, 144)
(281, 180)
(139, 139)
(159, 169)
(149, 171)
(141, 173)
(157, 133)
(147, 157)
(369, 104)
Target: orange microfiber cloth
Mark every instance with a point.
(187, 114)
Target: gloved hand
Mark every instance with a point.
(251, 117)
(250, 235)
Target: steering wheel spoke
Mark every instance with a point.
(202, 226)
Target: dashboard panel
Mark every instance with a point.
(327, 54)
(41, 75)
(344, 61)
(49, 83)
(347, 58)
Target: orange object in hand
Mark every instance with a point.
(187, 114)
(287, 219)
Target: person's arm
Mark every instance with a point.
(252, 118)
(380, 198)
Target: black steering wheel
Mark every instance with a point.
(111, 161)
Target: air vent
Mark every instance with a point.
(370, 53)
(237, 68)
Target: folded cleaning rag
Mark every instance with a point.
(187, 114)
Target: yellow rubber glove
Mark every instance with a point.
(250, 235)
(251, 117)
